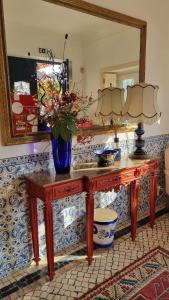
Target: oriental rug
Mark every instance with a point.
(145, 279)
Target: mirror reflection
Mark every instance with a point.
(85, 52)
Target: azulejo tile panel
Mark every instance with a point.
(15, 250)
(69, 214)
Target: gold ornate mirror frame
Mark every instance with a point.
(79, 5)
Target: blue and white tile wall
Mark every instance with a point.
(69, 214)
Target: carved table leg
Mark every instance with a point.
(48, 213)
(89, 225)
(134, 189)
(34, 227)
(153, 196)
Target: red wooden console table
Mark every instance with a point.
(49, 187)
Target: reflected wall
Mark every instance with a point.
(94, 45)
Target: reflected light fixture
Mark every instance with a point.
(109, 107)
(141, 107)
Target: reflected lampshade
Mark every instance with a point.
(141, 104)
(110, 104)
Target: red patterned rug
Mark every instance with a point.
(145, 279)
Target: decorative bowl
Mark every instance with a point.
(105, 157)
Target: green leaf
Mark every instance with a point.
(55, 131)
(64, 133)
(72, 127)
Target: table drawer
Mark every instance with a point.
(108, 182)
(150, 167)
(113, 180)
(128, 175)
(68, 189)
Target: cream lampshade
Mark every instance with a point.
(110, 104)
(109, 109)
(141, 107)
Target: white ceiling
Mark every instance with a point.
(51, 17)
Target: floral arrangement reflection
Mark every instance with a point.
(62, 112)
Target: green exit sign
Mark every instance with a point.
(43, 50)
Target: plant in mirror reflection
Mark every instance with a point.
(60, 110)
(62, 113)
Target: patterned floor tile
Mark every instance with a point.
(76, 278)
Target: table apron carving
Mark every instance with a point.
(106, 183)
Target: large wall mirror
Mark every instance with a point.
(103, 48)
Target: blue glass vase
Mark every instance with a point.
(61, 154)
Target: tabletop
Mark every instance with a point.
(81, 170)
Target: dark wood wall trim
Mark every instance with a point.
(142, 63)
(99, 11)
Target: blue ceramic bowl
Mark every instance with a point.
(105, 157)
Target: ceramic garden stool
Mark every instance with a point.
(105, 221)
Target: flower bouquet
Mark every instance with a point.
(61, 113)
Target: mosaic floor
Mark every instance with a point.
(73, 276)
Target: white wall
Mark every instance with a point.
(121, 48)
(155, 12)
(109, 51)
